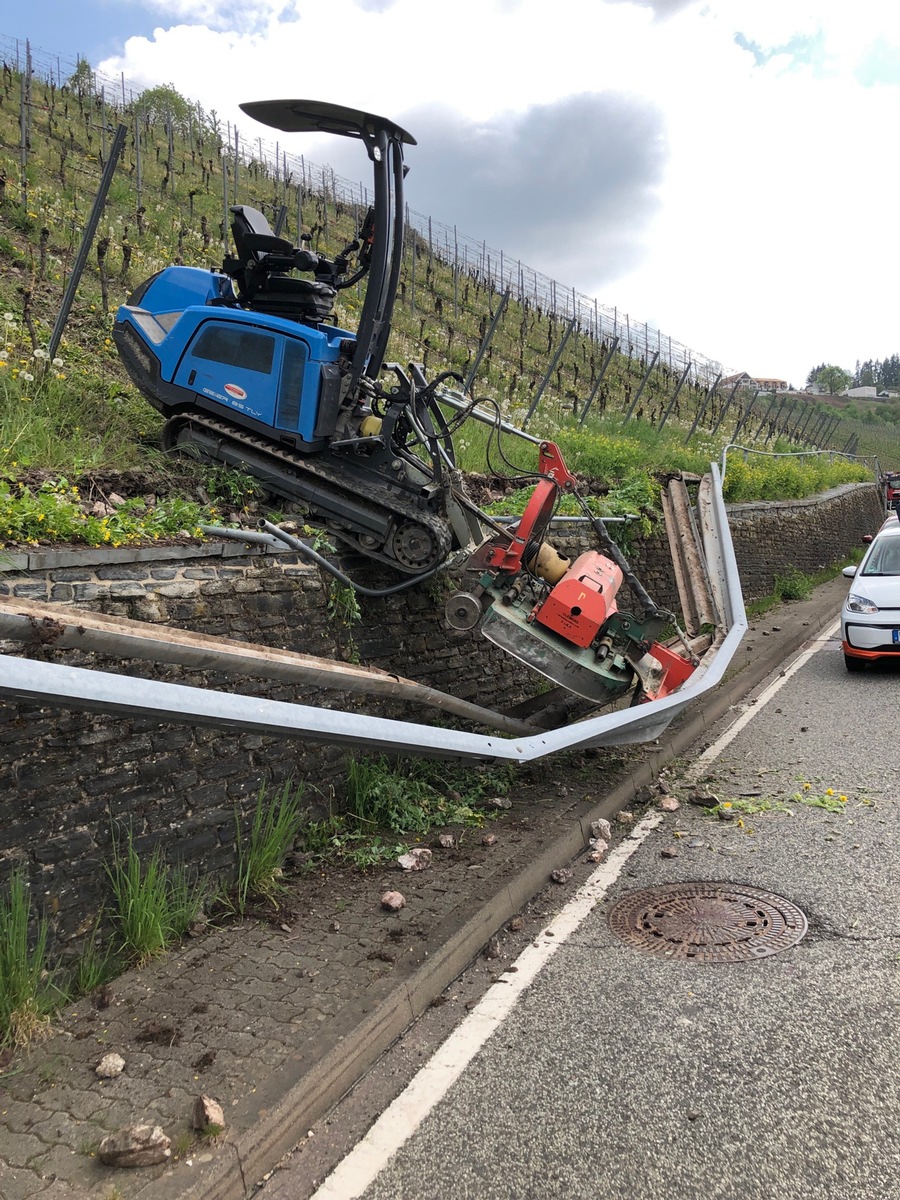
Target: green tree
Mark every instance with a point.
(163, 104)
(833, 379)
(82, 79)
(811, 377)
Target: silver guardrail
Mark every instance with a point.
(55, 684)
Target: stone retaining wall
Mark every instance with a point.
(68, 779)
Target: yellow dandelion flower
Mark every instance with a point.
(843, 799)
(829, 791)
(806, 787)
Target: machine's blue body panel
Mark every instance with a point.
(266, 367)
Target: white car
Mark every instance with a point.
(870, 618)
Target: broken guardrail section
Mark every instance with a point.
(709, 557)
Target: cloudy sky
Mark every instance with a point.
(722, 169)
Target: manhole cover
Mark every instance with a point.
(708, 922)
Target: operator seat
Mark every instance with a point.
(260, 267)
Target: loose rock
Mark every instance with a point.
(492, 949)
(601, 829)
(669, 852)
(563, 875)
(703, 798)
(625, 817)
(669, 804)
(207, 1115)
(598, 851)
(416, 860)
(517, 923)
(135, 1146)
(109, 1066)
(499, 802)
(447, 841)
(393, 901)
(489, 839)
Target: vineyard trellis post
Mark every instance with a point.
(455, 274)
(412, 264)
(224, 157)
(637, 396)
(745, 415)
(679, 386)
(727, 405)
(768, 413)
(25, 121)
(701, 411)
(549, 373)
(811, 413)
(237, 159)
(486, 340)
(86, 240)
(614, 345)
(773, 428)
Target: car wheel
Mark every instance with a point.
(854, 664)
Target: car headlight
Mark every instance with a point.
(860, 604)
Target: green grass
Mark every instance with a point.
(409, 796)
(153, 904)
(53, 511)
(69, 415)
(277, 821)
(793, 585)
(95, 965)
(27, 992)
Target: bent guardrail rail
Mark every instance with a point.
(59, 685)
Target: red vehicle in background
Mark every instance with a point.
(891, 480)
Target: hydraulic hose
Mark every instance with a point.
(321, 561)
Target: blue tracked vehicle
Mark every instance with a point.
(249, 368)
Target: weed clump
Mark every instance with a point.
(153, 903)
(27, 992)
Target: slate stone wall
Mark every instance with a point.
(68, 779)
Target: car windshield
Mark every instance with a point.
(884, 558)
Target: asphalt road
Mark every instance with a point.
(618, 1074)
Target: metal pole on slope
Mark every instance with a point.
(87, 239)
(745, 416)
(766, 417)
(701, 411)
(224, 200)
(550, 371)
(643, 384)
(486, 341)
(773, 428)
(606, 362)
(724, 413)
(674, 400)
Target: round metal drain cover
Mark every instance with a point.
(707, 922)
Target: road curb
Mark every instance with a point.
(302, 1094)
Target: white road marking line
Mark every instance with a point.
(400, 1120)
(712, 752)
